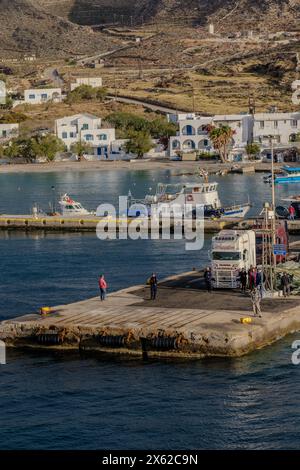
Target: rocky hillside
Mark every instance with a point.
(60, 27)
(227, 14)
(24, 28)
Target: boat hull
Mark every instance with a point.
(287, 179)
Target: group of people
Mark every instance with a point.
(152, 281)
(251, 279)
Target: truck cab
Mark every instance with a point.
(232, 250)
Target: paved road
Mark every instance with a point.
(153, 107)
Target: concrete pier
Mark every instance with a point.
(89, 223)
(184, 321)
(86, 224)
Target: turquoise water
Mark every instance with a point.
(69, 401)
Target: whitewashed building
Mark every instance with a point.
(42, 95)
(8, 131)
(193, 134)
(95, 82)
(88, 128)
(284, 128)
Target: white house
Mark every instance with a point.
(94, 82)
(283, 127)
(193, 134)
(8, 131)
(42, 95)
(88, 128)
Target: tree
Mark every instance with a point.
(252, 150)
(139, 143)
(47, 146)
(100, 93)
(12, 150)
(86, 93)
(221, 138)
(80, 148)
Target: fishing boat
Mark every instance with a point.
(289, 174)
(69, 207)
(183, 194)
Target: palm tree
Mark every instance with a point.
(221, 138)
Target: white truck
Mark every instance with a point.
(232, 250)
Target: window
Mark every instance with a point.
(72, 135)
(65, 135)
(275, 124)
(89, 137)
(188, 130)
(44, 96)
(32, 97)
(102, 137)
(262, 124)
(226, 255)
(294, 123)
(85, 127)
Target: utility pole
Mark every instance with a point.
(193, 95)
(273, 257)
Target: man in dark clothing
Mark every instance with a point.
(153, 286)
(208, 279)
(243, 279)
(286, 284)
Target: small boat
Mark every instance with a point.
(69, 207)
(290, 174)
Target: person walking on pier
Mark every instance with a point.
(102, 287)
(153, 286)
(208, 279)
(256, 299)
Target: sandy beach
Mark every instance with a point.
(123, 165)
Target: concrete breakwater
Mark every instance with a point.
(185, 321)
(89, 224)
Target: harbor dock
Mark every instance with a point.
(185, 321)
(89, 224)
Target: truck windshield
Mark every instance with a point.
(226, 255)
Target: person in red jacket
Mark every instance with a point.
(102, 286)
(292, 212)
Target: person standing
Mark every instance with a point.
(259, 281)
(102, 286)
(153, 286)
(292, 212)
(208, 279)
(252, 278)
(256, 299)
(286, 284)
(243, 279)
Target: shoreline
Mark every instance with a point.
(20, 168)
